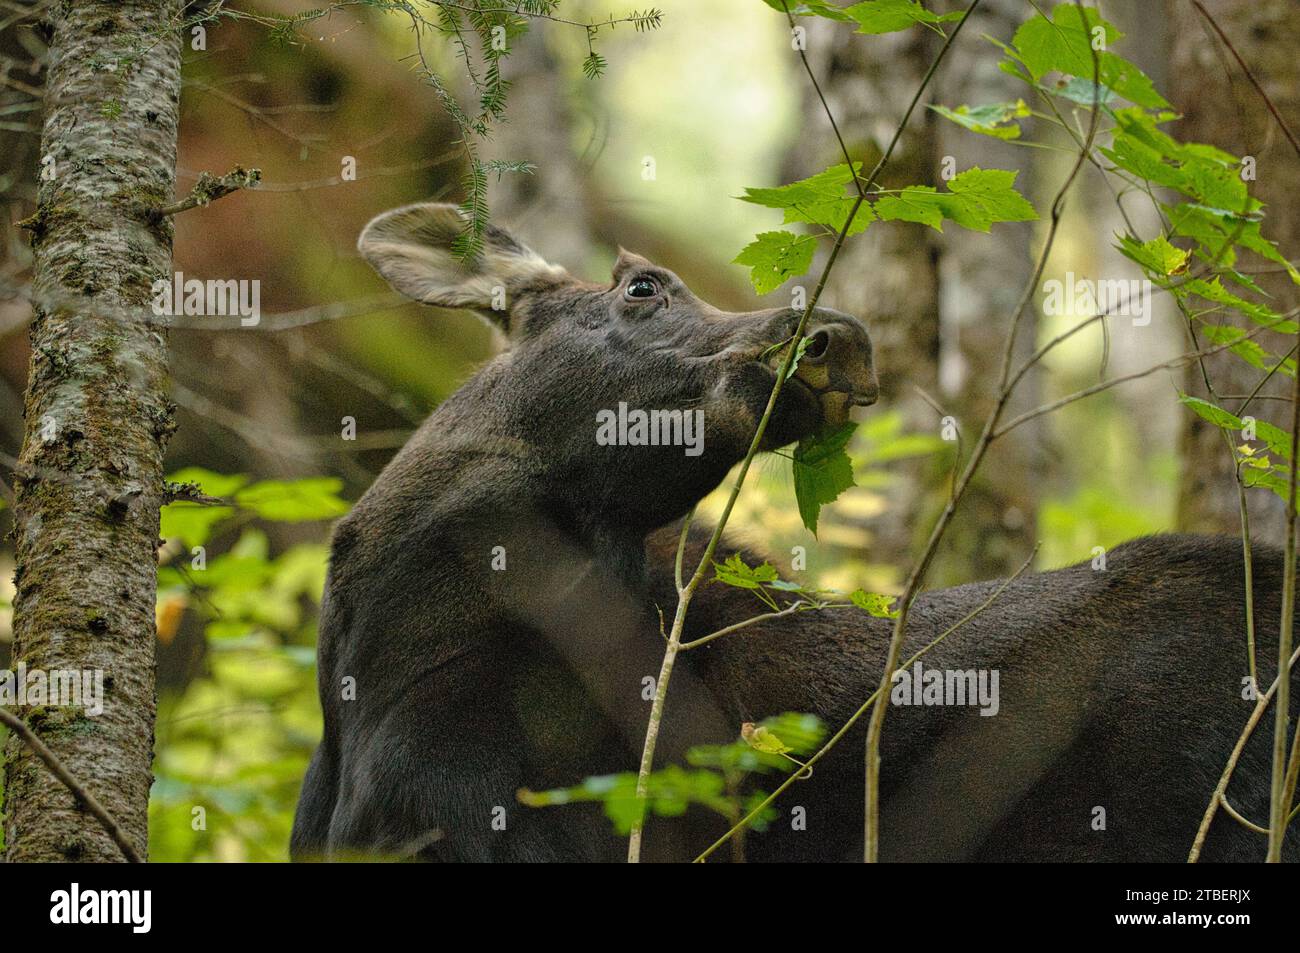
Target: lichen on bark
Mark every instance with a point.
(89, 481)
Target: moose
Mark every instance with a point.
(492, 612)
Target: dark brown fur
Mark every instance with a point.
(1120, 688)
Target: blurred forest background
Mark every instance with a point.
(649, 156)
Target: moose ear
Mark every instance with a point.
(412, 248)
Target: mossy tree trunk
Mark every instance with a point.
(90, 479)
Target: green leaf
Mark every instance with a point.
(1211, 412)
(1157, 256)
(1277, 439)
(811, 8)
(995, 119)
(1209, 176)
(669, 792)
(1082, 91)
(763, 739)
(1249, 351)
(822, 471)
(888, 16)
(191, 523)
(775, 257)
(976, 199)
(822, 199)
(799, 351)
(882, 607)
(1214, 291)
(1064, 45)
(294, 501)
(212, 484)
(734, 572)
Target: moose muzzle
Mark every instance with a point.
(837, 364)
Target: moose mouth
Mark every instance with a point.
(831, 406)
(802, 409)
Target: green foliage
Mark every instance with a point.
(767, 585)
(999, 120)
(714, 780)
(822, 199)
(286, 501)
(976, 199)
(1211, 221)
(1067, 44)
(734, 572)
(774, 257)
(1257, 468)
(871, 16)
(882, 607)
(233, 746)
(822, 471)
(889, 16)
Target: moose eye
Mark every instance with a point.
(643, 287)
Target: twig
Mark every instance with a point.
(1216, 799)
(189, 493)
(1097, 388)
(844, 729)
(209, 188)
(1286, 130)
(746, 623)
(1241, 818)
(57, 768)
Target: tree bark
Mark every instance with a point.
(1220, 107)
(90, 479)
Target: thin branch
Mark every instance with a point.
(844, 729)
(746, 623)
(209, 188)
(812, 78)
(1097, 388)
(1286, 130)
(1216, 799)
(1241, 818)
(57, 768)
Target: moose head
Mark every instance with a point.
(634, 397)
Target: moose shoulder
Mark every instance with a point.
(490, 613)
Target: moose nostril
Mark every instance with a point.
(818, 345)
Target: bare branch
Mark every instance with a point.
(209, 188)
(19, 727)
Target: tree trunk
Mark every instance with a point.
(89, 481)
(1219, 106)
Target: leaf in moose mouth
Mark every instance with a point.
(822, 471)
